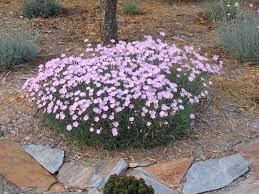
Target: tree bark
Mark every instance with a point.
(109, 26)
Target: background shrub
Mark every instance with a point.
(241, 37)
(222, 10)
(130, 7)
(127, 185)
(137, 94)
(16, 47)
(41, 8)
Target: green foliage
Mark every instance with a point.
(143, 136)
(16, 47)
(127, 185)
(222, 10)
(41, 8)
(242, 37)
(130, 7)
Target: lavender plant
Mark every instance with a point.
(222, 10)
(138, 94)
(241, 37)
(41, 8)
(16, 47)
(130, 7)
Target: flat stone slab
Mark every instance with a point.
(142, 163)
(21, 169)
(57, 188)
(94, 191)
(171, 172)
(1, 185)
(90, 174)
(251, 152)
(69, 193)
(74, 175)
(50, 159)
(158, 187)
(214, 174)
(246, 188)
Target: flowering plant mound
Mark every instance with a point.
(138, 94)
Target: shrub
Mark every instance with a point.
(241, 37)
(127, 185)
(222, 10)
(16, 47)
(130, 7)
(138, 94)
(41, 8)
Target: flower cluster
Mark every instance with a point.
(121, 86)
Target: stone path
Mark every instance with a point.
(251, 152)
(248, 187)
(171, 172)
(49, 158)
(20, 169)
(150, 180)
(90, 174)
(1, 185)
(38, 169)
(214, 174)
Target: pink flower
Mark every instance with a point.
(192, 116)
(162, 114)
(75, 124)
(86, 117)
(96, 119)
(114, 131)
(62, 116)
(69, 127)
(111, 117)
(162, 33)
(115, 124)
(131, 119)
(108, 82)
(215, 57)
(149, 123)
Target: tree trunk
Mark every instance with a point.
(109, 26)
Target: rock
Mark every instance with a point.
(76, 175)
(214, 174)
(49, 158)
(109, 168)
(68, 193)
(171, 172)
(256, 125)
(57, 187)
(22, 170)
(94, 191)
(158, 187)
(90, 174)
(1, 133)
(246, 188)
(1, 185)
(251, 152)
(141, 164)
